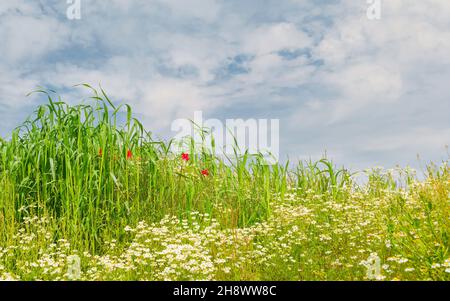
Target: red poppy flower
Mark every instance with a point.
(205, 172)
(100, 152)
(129, 154)
(185, 156)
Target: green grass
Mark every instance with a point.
(68, 186)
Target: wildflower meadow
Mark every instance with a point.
(87, 193)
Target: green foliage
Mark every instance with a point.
(77, 177)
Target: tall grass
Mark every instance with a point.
(92, 171)
(96, 175)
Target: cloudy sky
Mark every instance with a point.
(368, 92)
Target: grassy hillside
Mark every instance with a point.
(76, 181)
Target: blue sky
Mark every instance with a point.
(368, 92)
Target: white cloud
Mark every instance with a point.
(274, 37)
(26, 36)
(206, 10)
(164, 57)
(383, 61)
(419, 138)
(361, 85)
(14, 88)
(158, 99)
